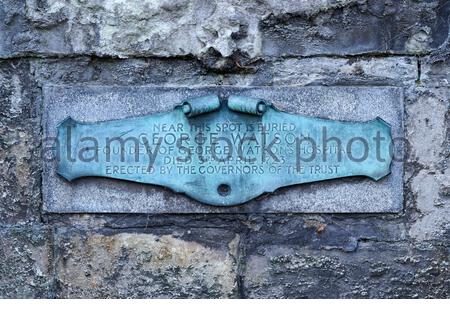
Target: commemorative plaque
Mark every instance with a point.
(162, 150)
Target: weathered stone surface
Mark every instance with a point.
(396, 71)
(354, 27)
(323, 232)
(428, 113)
(432, 200)
(19, 146)
(435, 67)
(373, 270)
(93, 104)
(435, 74)
(226, 28)
(340, 257)
(122, 71)
(337, 71)
(188, 263)
(26, 262)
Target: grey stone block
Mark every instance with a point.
(328, 71)
(178, 264)
(374, 71)
(428, 128)
(400, 271)
(226, 28)
(20, 193)
(353, 27)
(344, 256)
(26, 267)
(98, 103)
(435, 74)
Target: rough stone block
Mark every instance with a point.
(180, 264)
(227, 28)
(398, 71)
(431, 191)
(428, 127)
(19, 146)
(435, 74)
(392, 71)
(373, 270)
(355, 27)
(427, 124)
(26, 267)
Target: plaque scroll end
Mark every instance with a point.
(200, 105)
(247, 105)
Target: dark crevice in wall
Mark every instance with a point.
(191, 57)
(241, 264)
(53, 291)
(39, 108)
(419, 70)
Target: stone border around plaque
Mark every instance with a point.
(91, 104)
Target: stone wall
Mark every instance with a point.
(225, 42)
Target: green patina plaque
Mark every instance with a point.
(224, 152)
